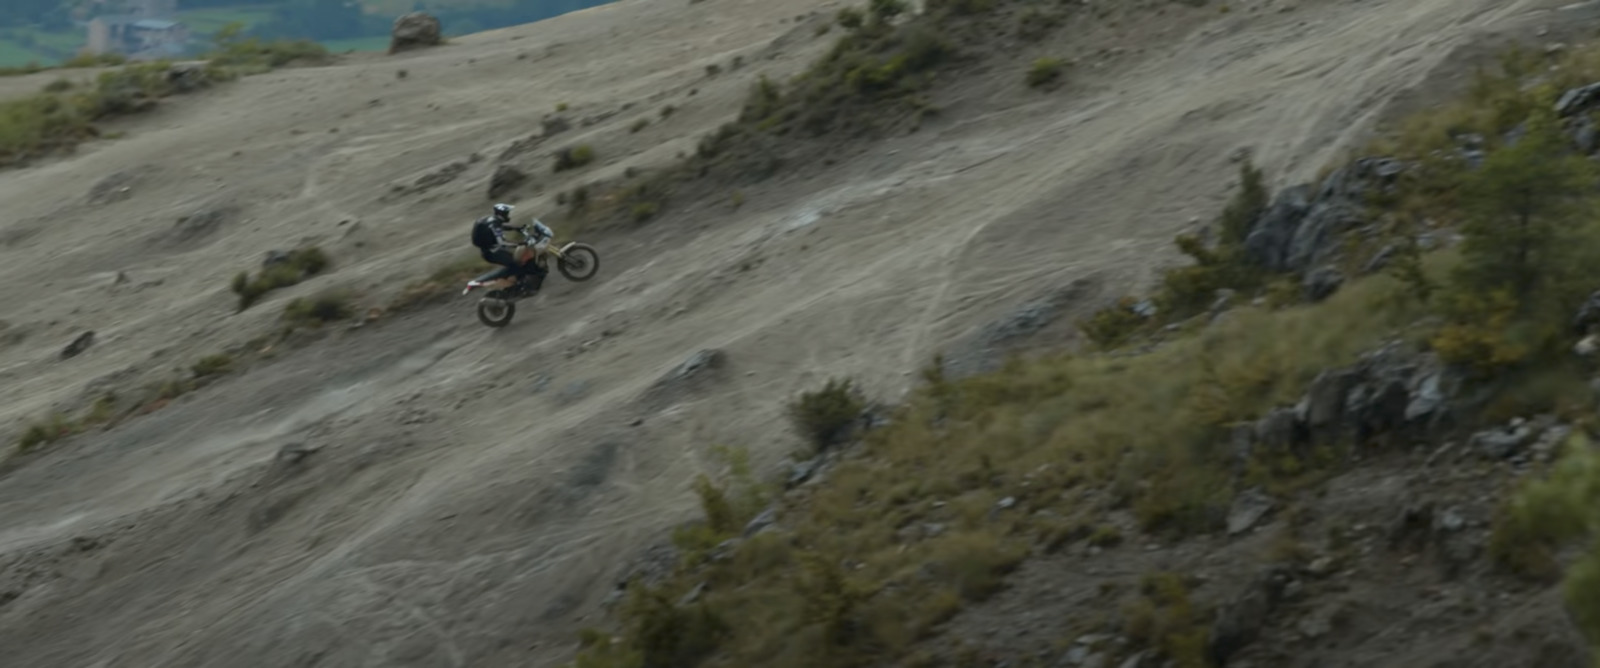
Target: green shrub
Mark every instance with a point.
(252, 54)
(645, 211)
(45, 433)
(212, 365)
(574, 157)
(301, 263)
(315, 311)
(851, 18)
(1163, 617)
(1114, 325)
(103, 409)
(828, 415)
(1043, 71)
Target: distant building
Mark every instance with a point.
(148, 33)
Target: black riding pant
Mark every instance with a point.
(505, 258)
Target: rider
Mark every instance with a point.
(488, 234)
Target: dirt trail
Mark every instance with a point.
(425, 491)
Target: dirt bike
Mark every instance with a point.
(576, 261)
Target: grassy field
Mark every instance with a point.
(13, 54)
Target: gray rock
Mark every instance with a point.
(504, 180)
(985, 350)
(1315, 241)
(1075, 656)
(693, 595)
(1585, 135)
(761, 522)
(1381, 260)
(1244, 441)
(78, 345)
(1317, 624)
(1224, 300)
(701, 367)
(1588, 314)
(1278, 430)
(1138, 660)
(1501, 443)
(1578, 99)
(201, 223)
(552, 125)
(800, 472)
(415, 30)
(1322, 283)
(1269, 239)
(1299, 229)
(116, 186)
(275, 257)
(573, 391)
(1324, 402)
(1427, 397)
(1242, 618)
(1450, 520)
(1248, 508)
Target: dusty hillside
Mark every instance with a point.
(424, 491)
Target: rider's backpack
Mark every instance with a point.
(482, 236)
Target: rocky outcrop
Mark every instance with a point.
(985, 350)
(1393, 392)
(1298, 232)
(415, 30)
(1575, 106)
(1577, 100)
(703, 368)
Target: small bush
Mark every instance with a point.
(1163, 617)
(45, 433)
(251, 54)
(1106, 536)
(851, 18)
(639, 125)
(1114, 325)
(644, 211)
(103, 410)
(300, 264)
(323, 308)
(212, 365)
(574, 157)
(1044, 71)
(828, 415)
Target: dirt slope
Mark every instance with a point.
(424, 491)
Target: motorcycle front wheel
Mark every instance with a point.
(496, 312)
